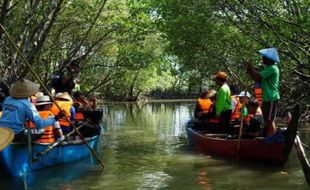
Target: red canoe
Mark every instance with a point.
(250, 149)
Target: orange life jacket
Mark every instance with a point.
(258, 93)
(236, 114)
(249, 116)
(205, 104)
(64, 105)
(79, 116)
(48, 135)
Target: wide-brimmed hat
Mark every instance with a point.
(221, 75)
(64, 96)
(6, 137)
(23, 88)
(270, 53)
(43, 100)
(211, 94)
(243, 93)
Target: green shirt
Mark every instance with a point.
(244, 111)
(270, 83)
(223, 99)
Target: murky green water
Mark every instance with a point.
(145, 147)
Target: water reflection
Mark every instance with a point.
(145, 147)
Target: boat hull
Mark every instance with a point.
(15, 159)
(251, 149)
(255, 149)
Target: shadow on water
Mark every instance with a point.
(145, 147)
(56, 177)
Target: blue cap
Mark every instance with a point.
(270, 53)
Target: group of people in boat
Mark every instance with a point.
(26, 108)
(224, 110)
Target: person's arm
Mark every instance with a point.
(254, 73)
(36, 119)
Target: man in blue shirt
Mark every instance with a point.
(17, 109)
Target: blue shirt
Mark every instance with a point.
(17, 111)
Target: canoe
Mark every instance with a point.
(16, 162)
(249, 149)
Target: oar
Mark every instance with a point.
(49, 93)
(29, 142)
(241, 125)
(240, 131)
(302, 158)
(6, 137)
(48, 149)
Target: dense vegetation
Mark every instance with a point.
(168, 48)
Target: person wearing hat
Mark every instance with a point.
(204, 105)
(65, 102)
(44, 105)
(269, 79)
(239, 103)
(223, 103)
(17, 109)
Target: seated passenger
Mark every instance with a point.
(65, 102)
(17, 109)
(241, 99)
(81, 104)
(52, 132)
(203, 105)
(255, 126)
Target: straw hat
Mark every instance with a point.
(6, 137)
(64, 96)
(221, 75)
(43, 100)
(23, 88)
(211, 94)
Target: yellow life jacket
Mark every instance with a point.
(64, 105)
(205, 104)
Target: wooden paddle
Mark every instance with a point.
(6, 137)
(302, 158)
(241, 126)
(49, 93)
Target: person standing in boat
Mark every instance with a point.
(17, 109)
(223, 103)
(65, 81)
(269, 79)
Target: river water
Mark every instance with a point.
(145, 147)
